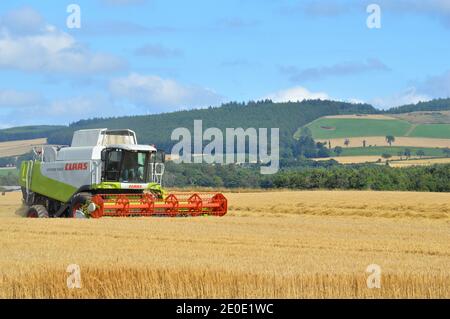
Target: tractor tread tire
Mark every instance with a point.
(80, 198)
(40, 210)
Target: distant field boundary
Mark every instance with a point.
(362, 116)
(394, 161)
(380, 141)
(17, 148)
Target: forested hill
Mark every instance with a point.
(28, 132)
(157, 129)
(434, 105)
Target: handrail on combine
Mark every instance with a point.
(39, 150)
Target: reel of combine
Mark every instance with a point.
(146, 205)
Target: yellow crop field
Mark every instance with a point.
(381, 141)
(16, 148)
(428, 117)
(394, 161)
(420, 162)
(295, 244)
(357, 159)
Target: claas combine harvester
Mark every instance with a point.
(106, 173)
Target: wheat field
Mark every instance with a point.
(381, 141)
(420, 162)
(394, 161)
(285, 244)
(16, 148)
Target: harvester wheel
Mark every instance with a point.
(37, 211)
(78, 201)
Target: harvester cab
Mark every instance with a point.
(106, 173)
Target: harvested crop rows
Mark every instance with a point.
(277, 244)
(16, 148)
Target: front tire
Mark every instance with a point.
(78, 201)
(37, 211)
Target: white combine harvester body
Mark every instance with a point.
(105, 173)
(81, 164)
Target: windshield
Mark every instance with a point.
(126, 166)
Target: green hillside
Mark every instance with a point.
(289, 117)
(157, 129)
(328, 128)
(434, 105)
(431, 131)
(28, 132)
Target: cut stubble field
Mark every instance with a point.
(16, 148)
(271, 244)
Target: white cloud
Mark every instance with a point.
(14, 99)
(24, 20)
(78, 107)
(47, 50)
(408, 96)
(157, 94)
(295, 94)
(64, 111)
(433, 87)
(355, 101)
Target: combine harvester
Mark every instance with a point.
(106, 173)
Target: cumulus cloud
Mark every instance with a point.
(47, 50)
(339, 69)
(80, 107)
(63, 110)
(24, 20)
(157, 94)
(433, 87)
(408, 96)
(295, 94)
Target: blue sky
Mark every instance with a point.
(152, 56)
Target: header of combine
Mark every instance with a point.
(106, 173)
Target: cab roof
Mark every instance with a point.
(103, 137)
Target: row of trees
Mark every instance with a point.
(328, 176)
(338, 149)
(303, 175)
(306, 147)
(432, 178)
(434, 105)
(407, 153)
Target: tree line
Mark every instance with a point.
(302, 175)
(308, 176)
